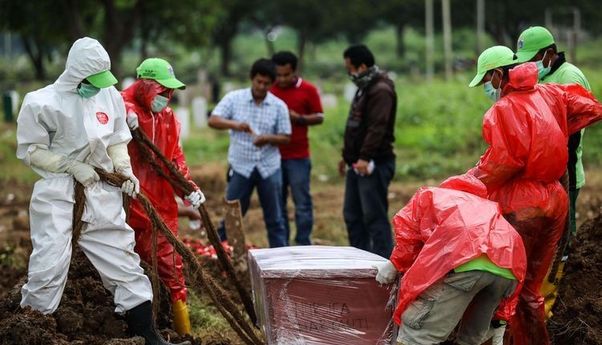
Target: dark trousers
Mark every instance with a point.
(365, 209)
(573, 194)
(296, 176)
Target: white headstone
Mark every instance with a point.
(199, 112)
(183, 115)
(329, 100)
(15, 98)
(229, 86)
(202, 76)
(126, 82)
(349, 91)
(183, 97)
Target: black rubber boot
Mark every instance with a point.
(140, 323)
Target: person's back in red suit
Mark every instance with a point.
(527, 130)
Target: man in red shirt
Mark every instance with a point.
(305, 109)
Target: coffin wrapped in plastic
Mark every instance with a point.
(320, 295)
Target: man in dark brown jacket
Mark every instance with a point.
(368, 158)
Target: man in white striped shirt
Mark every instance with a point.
(258, 122)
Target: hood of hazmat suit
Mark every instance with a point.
(444, 227)
(59, 119)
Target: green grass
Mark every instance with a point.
(438, 131)
(204, 317)
(438, 127)
(11, 168)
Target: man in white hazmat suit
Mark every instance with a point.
(65, 130)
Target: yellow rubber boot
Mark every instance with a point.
(549, 291)
(181, 321)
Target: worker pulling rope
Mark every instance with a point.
(217, 294)
(181, 183)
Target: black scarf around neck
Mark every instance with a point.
(363, 79)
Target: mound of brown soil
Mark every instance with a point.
(10, 273)
(577, 316)
(86, 315)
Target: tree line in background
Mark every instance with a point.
(44, 27)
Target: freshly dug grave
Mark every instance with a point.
(86, 315)
(577, 316)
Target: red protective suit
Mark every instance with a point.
(443, 228)
(164, 130)
(527, 131)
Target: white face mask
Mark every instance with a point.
(541, 70)
(491, 92)
(159, 103)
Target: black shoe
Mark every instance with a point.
(140, 323)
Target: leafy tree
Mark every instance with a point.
(402, 14)
(189, 23)
(227, 24)
(39, 30)
(316, 21)
(116, 23)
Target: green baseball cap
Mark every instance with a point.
(160, 71)
(490, 58)
(102, 79)
(531, 41)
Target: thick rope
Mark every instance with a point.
(217, 294)
(78, 211)
(155, 273)
(181, 183)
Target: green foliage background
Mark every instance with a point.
(438, 125)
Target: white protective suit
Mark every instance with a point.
(72, 128)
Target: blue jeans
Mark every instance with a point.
(296, 175)
(269, 191)
(365, 209)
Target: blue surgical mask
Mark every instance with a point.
(159, 103)
(541, 70)
(87, 90)
(491, 92)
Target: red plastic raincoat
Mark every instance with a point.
(164, 130)
(527, 131)
(443, 228)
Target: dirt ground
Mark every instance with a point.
(86, 313)
(578, 312)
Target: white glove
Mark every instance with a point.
(39, 156)
(386, 273)
(196, 198)
(131, 186)
(132, 120)
(121, 162)
(83, 173)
